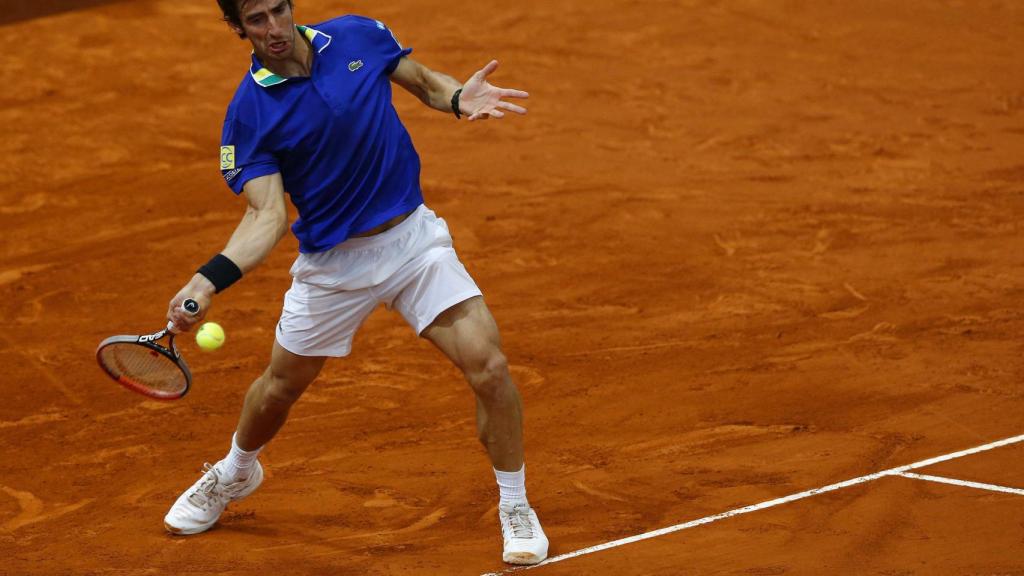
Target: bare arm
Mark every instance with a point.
(479, 99)
(433, 88)
(264, 223)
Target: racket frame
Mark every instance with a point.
(151, 342)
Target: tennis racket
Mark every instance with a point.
(142, 364)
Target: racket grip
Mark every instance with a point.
(190, 306)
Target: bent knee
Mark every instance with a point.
(282, 390)
(489, 375)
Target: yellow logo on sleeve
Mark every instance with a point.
(227, 157)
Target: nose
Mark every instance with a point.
(275, 27)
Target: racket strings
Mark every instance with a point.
(144, 366)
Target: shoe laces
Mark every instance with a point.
(210, 491)
(519, 522)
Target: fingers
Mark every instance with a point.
(492, 113)
(178, 323)
(182, 320)
(495, 113)
(171, 326)
(488, 70)
(478, 91)
(509, 93)
(512, 107)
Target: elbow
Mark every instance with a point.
(280, 224)
(271, 219)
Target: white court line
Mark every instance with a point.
(966, 483)
(899, 470)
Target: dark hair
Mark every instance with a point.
(232, 14)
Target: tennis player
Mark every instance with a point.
(313, 118)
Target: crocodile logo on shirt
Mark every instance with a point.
(355, 65)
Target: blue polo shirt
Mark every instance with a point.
(347, 162)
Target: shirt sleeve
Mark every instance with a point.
(242, 157)
(385, 45)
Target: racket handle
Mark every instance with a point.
(190, 306)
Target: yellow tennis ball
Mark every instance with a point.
(210, 336)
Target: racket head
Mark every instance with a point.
(142, 365)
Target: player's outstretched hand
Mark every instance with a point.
(480, 100)
(199, 289)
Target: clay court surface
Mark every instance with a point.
(738, 250)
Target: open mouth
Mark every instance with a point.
(278, 47)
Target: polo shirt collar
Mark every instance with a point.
(266, 78)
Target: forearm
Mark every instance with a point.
(441, 87)
(433, 88)
(254, 238)
(250, 244)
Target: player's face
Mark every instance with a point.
(270, 27)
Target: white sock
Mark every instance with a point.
(512, 485)
(238, 463)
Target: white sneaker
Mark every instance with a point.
(199, 507)
(525, 542)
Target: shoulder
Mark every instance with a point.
(244, 104)
(352, 24)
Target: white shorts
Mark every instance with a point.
(411, 267)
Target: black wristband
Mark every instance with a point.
(221, 272)
(455, 103)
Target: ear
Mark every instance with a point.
(236, 29)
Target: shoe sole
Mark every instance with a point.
(174, 530)
(522, 558)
